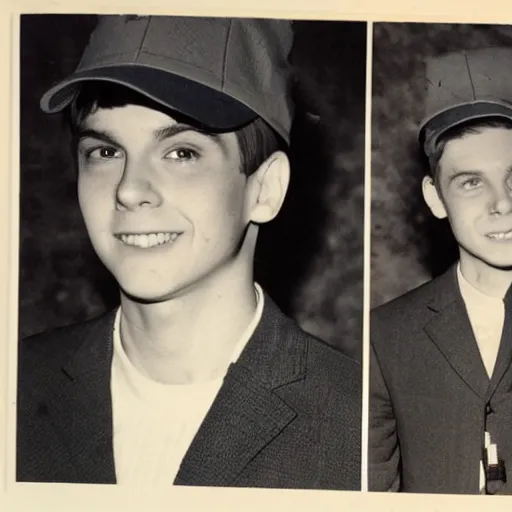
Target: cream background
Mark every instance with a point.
(36, 497)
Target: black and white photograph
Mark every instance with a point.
(441, 259)
(191, 251)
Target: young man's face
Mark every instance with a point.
(475, 193)
(164, 205)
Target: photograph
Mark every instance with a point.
(191, 236)
(440, 402)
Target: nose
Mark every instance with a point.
(502, 200)
(136, 189)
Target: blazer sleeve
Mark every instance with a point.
(384, 448)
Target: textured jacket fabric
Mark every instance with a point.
(288, 414)
(430, 395)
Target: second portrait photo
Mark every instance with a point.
(441, 259)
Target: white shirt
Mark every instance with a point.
(154, 423)
(487, 316)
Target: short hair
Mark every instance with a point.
(256, 141)
(457, 132)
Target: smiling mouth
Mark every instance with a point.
(148, 240)
(500, 235)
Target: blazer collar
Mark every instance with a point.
(95, 347)
(451, 331)
(445, 290)
(245, 416)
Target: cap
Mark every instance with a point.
(222, 72)
(466, 85)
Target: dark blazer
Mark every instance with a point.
(288, 414)
(430, 393)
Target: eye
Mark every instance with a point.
(103, 153)
(471, 183)
(182, 155)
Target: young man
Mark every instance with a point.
(180, 129)
(441, 375)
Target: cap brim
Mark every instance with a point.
(208, 106)
(436, 125)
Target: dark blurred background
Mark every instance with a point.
(409, 246)
(310, 258)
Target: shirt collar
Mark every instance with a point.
(125, 366)
(249, 331)
(474, 295)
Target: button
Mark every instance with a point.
(488, 409)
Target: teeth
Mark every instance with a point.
(501, 236)
(149, 240)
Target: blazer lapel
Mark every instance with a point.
(451, 331)
(247, 413)
(81, 408)
(503, 362)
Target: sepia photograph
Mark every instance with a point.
(441, 259)
(191, 251)
(257, 256)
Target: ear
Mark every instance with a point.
(433, 199)
(268, 186)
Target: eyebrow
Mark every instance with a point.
(454, 174)
(175, 129)
(103, 135)
(462, 174)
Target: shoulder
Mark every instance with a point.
(403, 319)
(320, 357)
(43, 358)
(333, 362)
(57, 345)
(412, 304)
(332, 374)
(289, 350)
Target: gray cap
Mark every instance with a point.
(222, 72)
(466, 85)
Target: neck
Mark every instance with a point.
(489, 280)
(190, 338)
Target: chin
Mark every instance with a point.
(499, 262)
(493, 255)
(146, 290)
(146, 286)
(147, 296)
(153, 291)
(502, 265)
